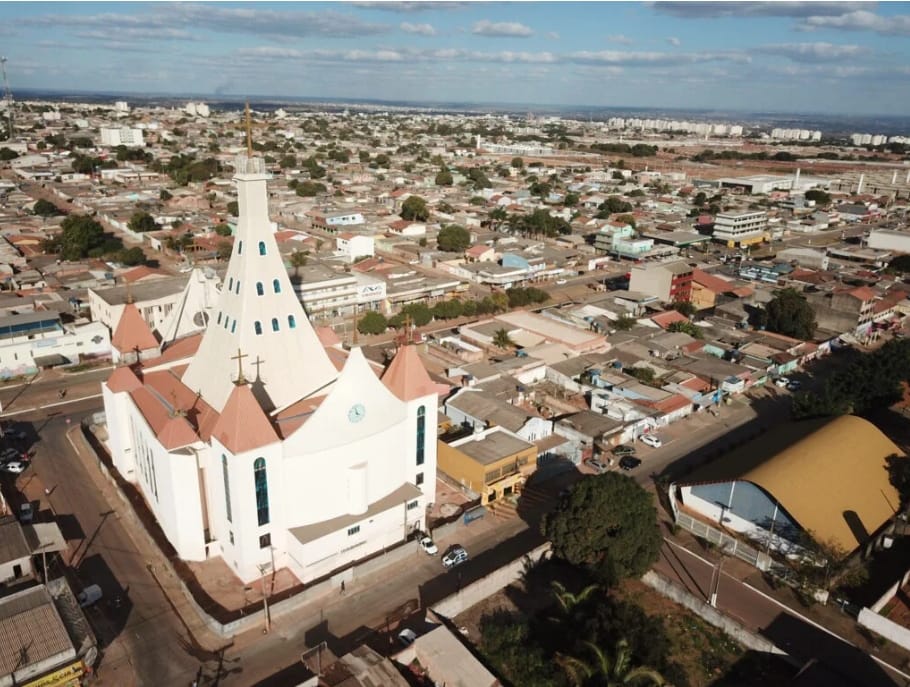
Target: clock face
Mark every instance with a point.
(356, 413)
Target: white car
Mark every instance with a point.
(429, 546)
(781, 382)
(15, 467)
(407, 637)
(651, 440)
(560, 282)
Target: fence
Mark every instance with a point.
(725, 542)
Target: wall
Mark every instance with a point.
(710, 615)
(485, 587)
(889, 630)
(460, 467)
(890, 593)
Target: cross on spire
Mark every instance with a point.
(239, 358)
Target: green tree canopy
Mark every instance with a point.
(44, 208)
(520, 296)
(372, 323)
(142, 221)
(453, 239)
(612, 205)
(308, 189)
(223, 229)
(819, 196)
(131, 256)
(899, 264)
(501, 339)
(164, 195)
(790, 314)
(80, 237)
(444, 178)
(518, 163)
(448, 310)
(233, 208)
(608, 524)
(689, 328)
(415, 209)
(7, 154)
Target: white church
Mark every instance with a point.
(261, 440)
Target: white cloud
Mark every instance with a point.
(619, 38)
(814, 52)
(484, 27)
(552, 35)
(420, 29)
(706, 10)
(674, 41)
(140, 34)
(409, 6)
(639, 59)
(861, 20)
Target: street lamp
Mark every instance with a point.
(263, 568)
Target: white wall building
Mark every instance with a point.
(353, 246)
(29, 341)
(122, 136)
(740, 228)
(264, 447)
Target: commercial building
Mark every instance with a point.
(122, 136)
(493, 463)
(741, 228)
(671, 282)
(34, 340)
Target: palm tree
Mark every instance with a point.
(567, 600)
(606, 671)
(497, 217)
(501, 339)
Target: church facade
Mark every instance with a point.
(261, 440)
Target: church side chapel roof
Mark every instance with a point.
(242, 425)
(407, 378)
(133, 333)
(292, 418)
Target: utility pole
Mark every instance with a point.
(263, 568)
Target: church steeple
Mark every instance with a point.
(258, 312)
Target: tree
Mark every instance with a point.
(624, 323)
(789, 313)
(79, 236)
(223, 229)
(819, 196)
(224, 250)
(700, 199)
(498, 215)
(444, 178)
(141, 222)
(606, 670)
(287, 162)
(7, 154)
(453, 239)
(308, 189)
(131, 256)
(44, 208)
(415, 209)
(899, 264)
(164, 195)
(689, 328)
(683, 308)
(643, 374)
(571, 200)
(448, 310)
(899, 476)
(372, 323)
(501, 339)
(233, 208)
(518, 163)
(608, 524)
(612, 205)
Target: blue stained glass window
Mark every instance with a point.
(262, 248)
(274, 324)
(262, 491)
(421, 434)
(227, 486)
(291, 322)
(276, 286)
(260, 290)
(258, 326)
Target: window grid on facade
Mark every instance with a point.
(291, 322)
(257, 325)
(412, 505)
(421, 434)
(276, 286)
(227, 488)
(353, 530)
(262, 248)
(260, 290)
(274, 324)
(262, 491)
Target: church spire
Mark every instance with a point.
(258, 312)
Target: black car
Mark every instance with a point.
(629, 462)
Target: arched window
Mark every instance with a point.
(291, 322)
(274, 324)
(233, 326)
(219, 318)
(262, 248)
(226, 320)
(258, 326)
(227, 487)
(421, 433)
(231, 284)
(276, 286)
(260, 291)
(262, 491)
(239, 247)
(237, 290)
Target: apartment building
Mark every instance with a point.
(122, 136)
(741, 228)
(670, 282)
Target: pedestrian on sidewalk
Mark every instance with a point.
(342, 587)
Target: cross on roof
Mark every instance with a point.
(239, 358)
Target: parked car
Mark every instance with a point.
(629, 462)
(624, 450)
(794, 385)
(429, 546)
(13, 468)
(89, 595)
(407, 637)
(560, 282)
(598, 466)
(456, 556)
(781, 382)
(651, 440)
(26, 513)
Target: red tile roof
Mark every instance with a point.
(243, 425)
(407, 378)
(327, 337)
(132, 333)
(665, 319)
(711, 282)
(140, 273)
(295, 416)
(123, 379)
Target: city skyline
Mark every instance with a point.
(842, 58)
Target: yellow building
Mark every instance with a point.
(493, 463)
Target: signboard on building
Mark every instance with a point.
(69, 676)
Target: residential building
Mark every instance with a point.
(493, 463)
(122, 136)
(15, 553)
(844, 311)
(34, 340)
(333, 222)
(671, 282)
(353, 246)
(740, 228)
(708, 289)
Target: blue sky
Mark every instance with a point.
(851, 57)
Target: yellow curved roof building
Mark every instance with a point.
(830, 475)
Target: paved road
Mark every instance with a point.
(795, 634)
(43, 391)
(142, 641)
